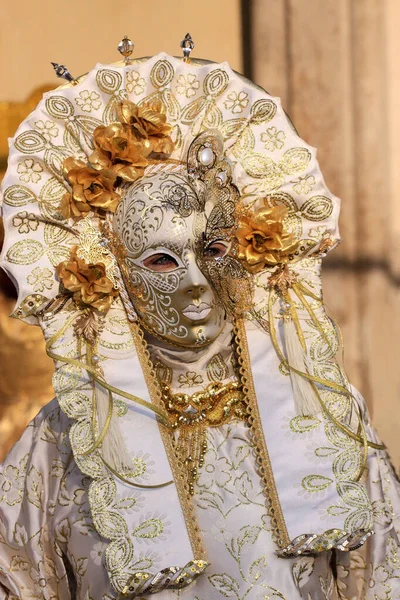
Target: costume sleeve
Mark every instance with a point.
(373, 571)
(30, 557)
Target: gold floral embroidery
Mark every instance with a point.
(48, 129)
(30, 170)
(107, 507)
(12, 481)
(135, 84)
(88, 101)
(273, 139)
(40, 279)
(25, 222)
(304, 185)
(237, 102)
(188, 85)
(190, 379)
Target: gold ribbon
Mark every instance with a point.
(91, 370)
(88, 366)
(301, 291)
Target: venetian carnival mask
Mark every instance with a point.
(160, 223)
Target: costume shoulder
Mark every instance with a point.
(46, 434)
(30, 481)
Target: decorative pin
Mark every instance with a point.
(63, 73)
(125, 47)
(187, 45)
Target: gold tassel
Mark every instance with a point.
(113, 448)
(305, 400)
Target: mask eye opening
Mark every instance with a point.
(216, 249)
(160, 262)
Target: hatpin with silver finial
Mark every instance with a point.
(125, 47)
(187, 45)
(63, 73)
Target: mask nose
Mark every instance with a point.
(195, 283)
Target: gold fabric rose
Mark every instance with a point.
(117, 149)
(148, 123)
(121, 152)
(262, 239)
(88, 282)
(91, 190)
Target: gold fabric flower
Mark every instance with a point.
(262, 239)
(117, 149)
(88, 282)
(149, 124)
(91, 190)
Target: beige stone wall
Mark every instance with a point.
(335, 65)
(80, 33)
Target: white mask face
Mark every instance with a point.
(157, 222)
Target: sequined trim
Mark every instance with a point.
(333, 538)
(171, 578)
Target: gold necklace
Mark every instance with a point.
(191, 415)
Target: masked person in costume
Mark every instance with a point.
(165, 226)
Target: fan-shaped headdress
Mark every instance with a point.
(69, 163)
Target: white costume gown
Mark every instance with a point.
(49, 548)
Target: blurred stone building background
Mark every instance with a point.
(335, 65)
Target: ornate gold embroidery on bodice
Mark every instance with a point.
(214, 406)
(191, 415)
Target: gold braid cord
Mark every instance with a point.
(167, 435)
(279, 530)
(305, 544)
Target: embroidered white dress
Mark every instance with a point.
(49, 547)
